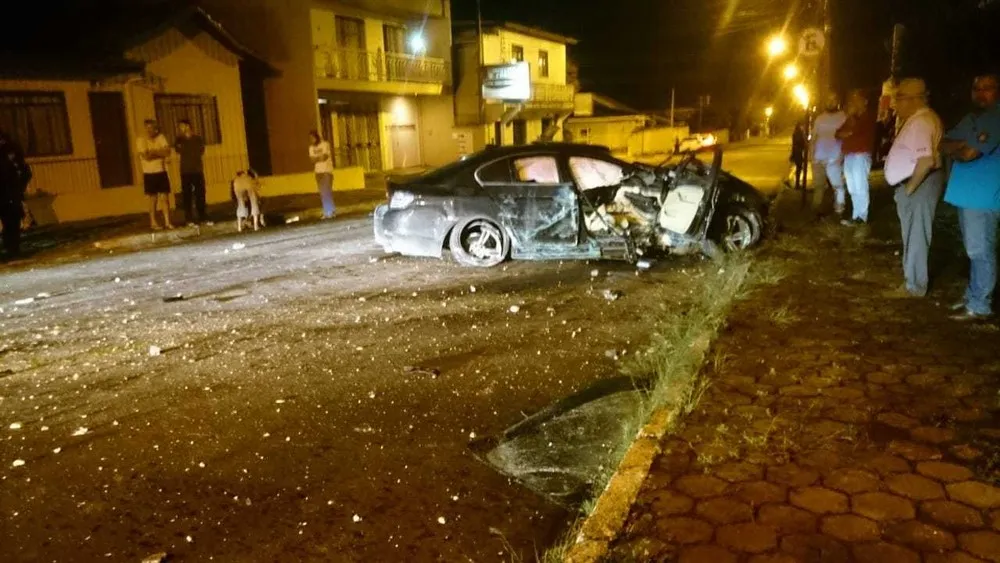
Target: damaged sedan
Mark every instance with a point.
(568, 201)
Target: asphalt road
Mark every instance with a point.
(300, 397)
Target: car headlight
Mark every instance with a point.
(401, 200)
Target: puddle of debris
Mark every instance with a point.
(561, 451)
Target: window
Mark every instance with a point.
(543, 64)
(200, 110)
(517, 53)
(394, 37)
(592, 173)
(495, 173)
(37, 121)
(537, 169)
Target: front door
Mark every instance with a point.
(358, 140)
(352, 58)
(405, 146)
(107, 119)
(520, 132)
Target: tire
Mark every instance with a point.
(740, 228)
(479, 243)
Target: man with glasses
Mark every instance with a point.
(913, 168)
(974, 188)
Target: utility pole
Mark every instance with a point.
(673, 91)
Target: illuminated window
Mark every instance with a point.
(201, 110)
(543, 64)
(537, 169)
(517, 53)
(37, 121)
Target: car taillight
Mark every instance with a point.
(400, 200)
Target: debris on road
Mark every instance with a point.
(472, 289)
(594, 273)
(441, 520)
(80, 431)
(15, 425)
(356, 518)
(611, 295)
(644, 264)
(155, 351)
(433, 373)
(514, 309)
(238, 246)
(292, 219)
(25, 301)
(17, 463)
(174, 298)
(156, 558)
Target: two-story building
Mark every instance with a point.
(373, 76)
(484, 47)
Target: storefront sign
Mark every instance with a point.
(510, 82)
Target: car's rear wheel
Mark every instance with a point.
(478, 242)
(741, 228)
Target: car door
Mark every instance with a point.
(537, 206)
(690, 202)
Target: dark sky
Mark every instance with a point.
(636, 50)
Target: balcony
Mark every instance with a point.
(378, 71)
(552, 94)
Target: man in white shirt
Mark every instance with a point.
(153, 150)
(827, 159)
(913, 168)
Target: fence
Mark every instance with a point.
(379, 66)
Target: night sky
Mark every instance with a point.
(636, 50)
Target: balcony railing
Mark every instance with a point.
(379, 66)
(552, 93)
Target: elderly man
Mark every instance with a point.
(974, 188)
(913, 168)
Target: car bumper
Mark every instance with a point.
(413, 231)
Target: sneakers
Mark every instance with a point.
(957, 306)
(968, 315)
(901, 292)
(853, 222)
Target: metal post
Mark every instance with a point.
(672, 93)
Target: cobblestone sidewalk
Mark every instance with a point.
(839, 426)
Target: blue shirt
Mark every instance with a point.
(976, 184)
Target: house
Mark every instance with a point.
(600, 120)
(373, 76)
(78, 115)
(524, 58)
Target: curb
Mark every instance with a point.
(615, 503)
(144, 241)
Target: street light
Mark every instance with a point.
(791, 71)
(801, 94)
(768, 112)
(776, 46)
(418, 45)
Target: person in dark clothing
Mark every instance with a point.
(797, 160)
(15, 174)
(191, 148)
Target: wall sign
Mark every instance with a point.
(509, 82)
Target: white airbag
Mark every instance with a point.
(681, 206)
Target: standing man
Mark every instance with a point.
(14, 177)
(858, 138)
(797, 160)
(913, 168)
(153, 150)
(974, 188)
(191, 148)
(827, 159)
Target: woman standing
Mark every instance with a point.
(322, 159)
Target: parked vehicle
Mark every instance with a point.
(568, 201)
(696, 142)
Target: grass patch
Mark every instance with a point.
(678, 348)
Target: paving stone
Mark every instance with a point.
(966, 452)
(747, 537)
(844, 393)
(925, 379)
(897, 420)
(883, 553)
(887, 464)
(951, 515)
(798, 391)
(882, 507)
(850, 528)
(787, 519)
(995, 520)
(852, 481)
(849, 414)
(821, 459)
(985, 545)
(820, 381)
(823, 430)
(815, 548)
(914, 486)
(974, 493)
(913, 451)
(944, 472)
(684, 530)
(792, 475)
(953, 557)
(700, 486)
(736, 472)
(751, 412)
(671, 503)
(819, 500)
(882, 378)
(724, 510)
(968, 415)
(761, 492)
(773, 558)
(932, 434)
(707, 554)
(920, 536)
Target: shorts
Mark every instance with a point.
(158, 183)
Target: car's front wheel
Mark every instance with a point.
(741, 228)
(478, 242)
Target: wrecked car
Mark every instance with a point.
(568, 201)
